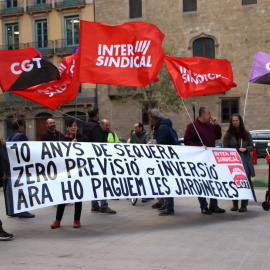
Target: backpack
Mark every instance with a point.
(174, 136)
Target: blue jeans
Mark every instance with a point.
(204, 204)
(169, 203)
(103, 204)
(243, 202)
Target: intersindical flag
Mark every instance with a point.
(24, 68)
(260, 72)
(128, 54)
(57, 92)
(196, 76)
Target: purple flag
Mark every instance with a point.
(260, 72)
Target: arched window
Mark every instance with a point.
(204, 47)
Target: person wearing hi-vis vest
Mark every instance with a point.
(109, 136)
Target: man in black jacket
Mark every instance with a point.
(94, 133)
(162, 135)
(3, 234)
(18, 136)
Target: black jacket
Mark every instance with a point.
(162, 132)
(79, 138)
(93, 131)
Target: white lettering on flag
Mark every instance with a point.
(124, 55)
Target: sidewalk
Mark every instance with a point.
(137, 238)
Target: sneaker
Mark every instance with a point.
(107, 210)
(162, 208)
(166, 213)
(243, 209)
(234, 208)
(5, 236)
(95, 209)
(76, 224)
(217, 210)
(26, 215)
(206, 211)
(145, 200)
(56, 224)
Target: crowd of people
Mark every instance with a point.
(204, 131)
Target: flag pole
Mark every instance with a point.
(191, 120)
(245, 104)
(76, 104)
(70, 116)
(249, 179)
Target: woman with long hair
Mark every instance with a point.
(238, 137)
(73, 135)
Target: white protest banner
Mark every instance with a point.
(49, 173)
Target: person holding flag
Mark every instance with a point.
(209, 133)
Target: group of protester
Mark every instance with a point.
(204, 131)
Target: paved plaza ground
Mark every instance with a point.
(137, 238)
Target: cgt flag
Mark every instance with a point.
(196, 76)
(128, 54)
(260, 72)
(24, 68)
(58, 92)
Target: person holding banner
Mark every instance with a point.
(163, 135)
(208, 134)
(238, 137)
(3, 234)
(51, 134)
(140, 136)
(72, 136)
(18, 136)
(94, 133)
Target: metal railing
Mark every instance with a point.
(65, 46)
(33, 7)
(7, 10)
(46, 47)
(13, 47)
(69, 3)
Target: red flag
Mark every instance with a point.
(24, 68)
(129, 54)
(196, 76)
(57, 92)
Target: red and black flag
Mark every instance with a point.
(56, 92)
(24, 68)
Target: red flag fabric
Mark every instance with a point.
(24, 68)
(58, 92)
(128, 54)
(196, 76)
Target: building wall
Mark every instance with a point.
(55, 21)
(239, 31)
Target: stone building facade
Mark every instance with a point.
(51, 27)
(237, 29)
